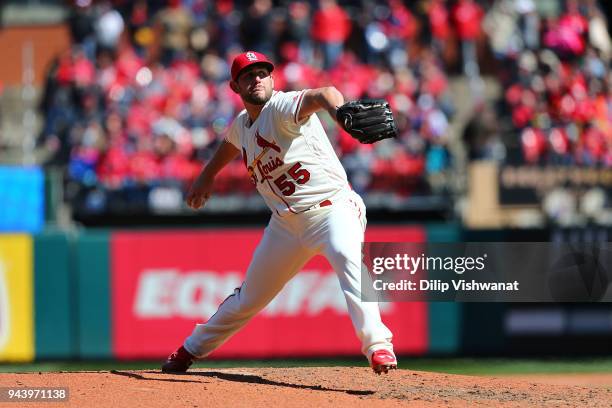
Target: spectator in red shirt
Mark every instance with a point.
(533, 143)
(144, 165)
(439, 22)
(467, 16)
(331, 26)
(83, 70)
(573, 19)
(594, 145)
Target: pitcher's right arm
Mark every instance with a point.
(201, 188)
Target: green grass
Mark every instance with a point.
(486, 366)
(155, 365)
(468, 366)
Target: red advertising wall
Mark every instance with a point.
(163, 283)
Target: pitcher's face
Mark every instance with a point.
(254, 85)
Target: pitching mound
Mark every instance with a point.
(303, 387)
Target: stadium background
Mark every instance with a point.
(108, 110)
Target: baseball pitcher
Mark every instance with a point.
(314, 210)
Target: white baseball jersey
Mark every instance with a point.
(298, 168)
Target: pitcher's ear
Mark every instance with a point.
(234, 87)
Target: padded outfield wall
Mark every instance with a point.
(137, 294)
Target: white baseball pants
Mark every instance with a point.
(336, 231)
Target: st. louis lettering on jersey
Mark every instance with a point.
(293, 165)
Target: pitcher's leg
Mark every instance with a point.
(277, 258)
(342, 248)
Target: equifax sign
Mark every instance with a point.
(164, 283)
(168, 293)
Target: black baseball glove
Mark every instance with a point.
(367, 120)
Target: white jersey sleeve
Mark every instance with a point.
(233, 135)
(287, 108)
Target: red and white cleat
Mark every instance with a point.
(382, 361)
(178, 362)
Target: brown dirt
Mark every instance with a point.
(308, 387)
(594, 380)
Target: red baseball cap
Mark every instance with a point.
(249, 58)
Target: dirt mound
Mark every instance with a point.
(303, 387)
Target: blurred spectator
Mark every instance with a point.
(256, 29)
(467, 16)
(482, 135)
(439, 21)
(389, 32)
(599, 37)
(81, 21)
(298, 29)
(109, 27)
(331, 27)
(566, 36)
(174, 24)
(529, 22)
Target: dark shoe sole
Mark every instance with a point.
(174, 370)
(384, 368)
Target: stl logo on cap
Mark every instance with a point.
(248, 58)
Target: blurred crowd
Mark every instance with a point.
(142, 95)
(556, 77)
(141, 98)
